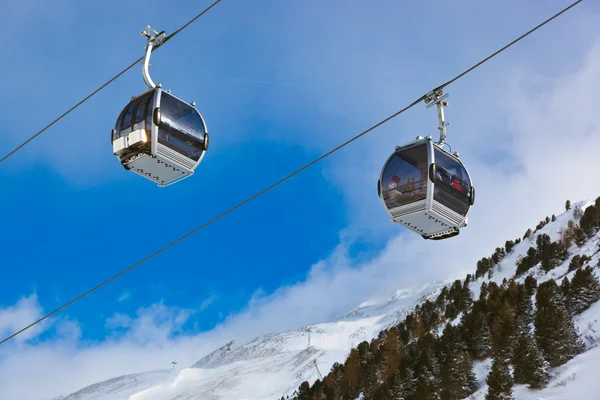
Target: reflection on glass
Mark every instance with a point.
(126, 125)
(452, 185)
(181, 127)
(405, 177)
(176, 115)
(132, 114)
(192, 151)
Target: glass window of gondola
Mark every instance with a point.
(404, 179)
(452, 184)
(133, 114)
(181, 127)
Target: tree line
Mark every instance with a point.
(411, 361)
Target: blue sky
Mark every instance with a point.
(279, 83)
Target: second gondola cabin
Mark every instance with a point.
(160, 137)
(426, 189)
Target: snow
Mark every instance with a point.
(507, 267)
(121, 388)
(274, 365)
(578, 378)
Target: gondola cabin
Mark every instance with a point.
(426, 189)
(160, 137)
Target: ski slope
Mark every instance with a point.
(274, 365)
(270, 366)
(121, 388)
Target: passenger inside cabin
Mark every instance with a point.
(394, 183)
(456, 184)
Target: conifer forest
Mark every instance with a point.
(523, 326)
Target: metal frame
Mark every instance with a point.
(438, 96)
(154, 39)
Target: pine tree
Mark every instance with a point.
(553, 217)
(529, 366)
(589, 222)
(393, 352)
(483, 339)
(584, 290)
(538, 369)
(523, 310)
(476, 331)
(499, 381)
(527, 234)
(503, 329)
(451, 311)
(498, 255)
(508, 246)
(468, 381)
(525, 263)
(567, 235)
(530, 285)
(304, 391)
(580, 237)
(549, 253)
(427, 370)
(575, 262)
(519, 360)
(457, 380)
(568, 205)
(483, 266)
(350, 381)
(565, 291)
(577, 212)
(404, 384)
(554, 329)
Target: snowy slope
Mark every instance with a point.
(507, 267)
(578, 378)
(122, 387)
(271, 365)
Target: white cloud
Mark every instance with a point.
(154, 324)
(124, 296)
(19, 315)
(208, 301)
(65, 363)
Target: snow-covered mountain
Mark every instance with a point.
(120, 388)
(274, 365)
(270, 366)
(578, 378)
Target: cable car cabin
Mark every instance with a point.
(160, 137)
(426, 189)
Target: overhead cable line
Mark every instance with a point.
(279, 181)
(108, 82)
